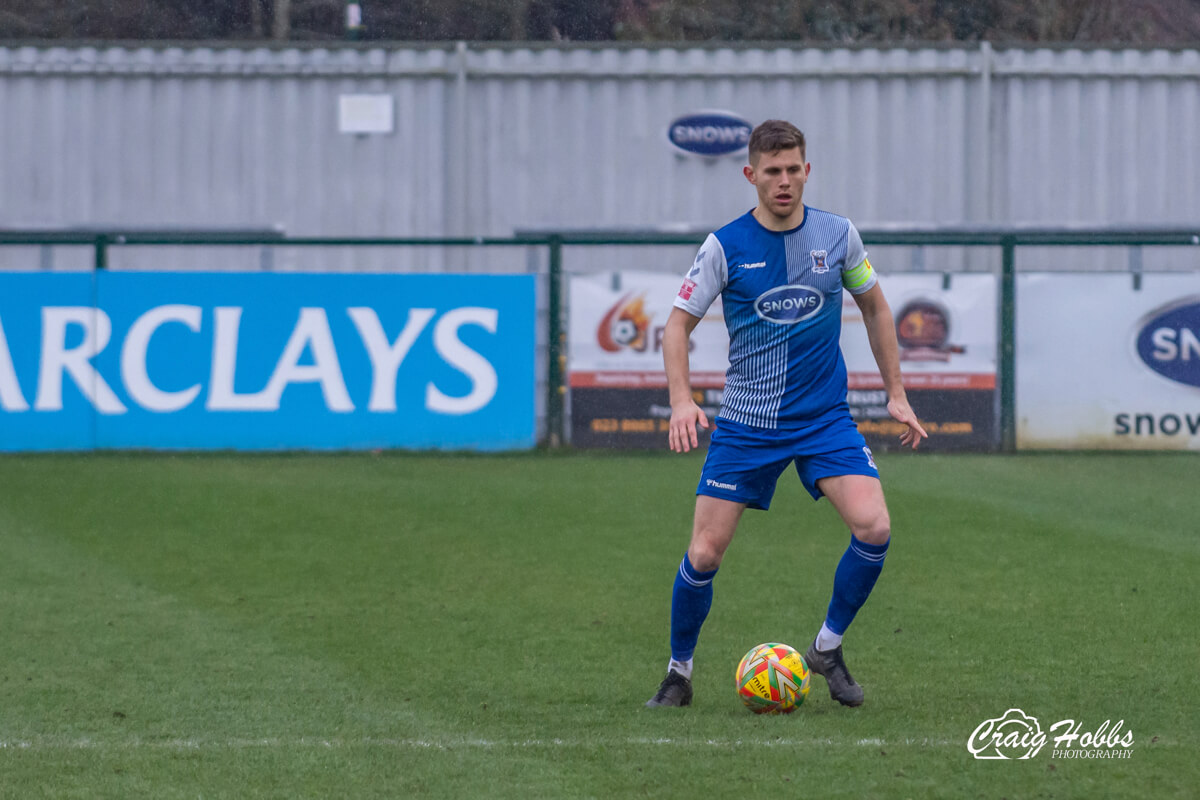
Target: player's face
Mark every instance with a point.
(779, 178)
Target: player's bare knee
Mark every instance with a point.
(874, 530)
(704, 554)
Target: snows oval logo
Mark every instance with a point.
(1168, 341)
(709, 133)
(787, 305)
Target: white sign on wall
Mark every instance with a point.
(947, 334)
(618, 386)
(616, 329)
(366, 113)
(1101, 365)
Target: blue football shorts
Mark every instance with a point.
(744, 463)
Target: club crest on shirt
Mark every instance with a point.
(818, 259)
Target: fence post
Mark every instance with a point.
(1008, 345)
(555, 388)
(101, 251)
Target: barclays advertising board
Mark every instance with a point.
(266, 361)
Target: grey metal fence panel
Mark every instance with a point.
(489, 139)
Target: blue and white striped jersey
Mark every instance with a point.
(782, 296)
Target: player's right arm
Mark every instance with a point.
(701, 286)
(685, 414)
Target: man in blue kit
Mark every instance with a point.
(780, 270)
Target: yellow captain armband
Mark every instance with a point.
(860, 278)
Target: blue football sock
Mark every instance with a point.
(690, 601)
(852, 583)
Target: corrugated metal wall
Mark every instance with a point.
(493, 139)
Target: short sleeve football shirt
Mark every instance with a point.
(782, 297)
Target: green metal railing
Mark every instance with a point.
(1007, 239)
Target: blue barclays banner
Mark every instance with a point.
(266, 361)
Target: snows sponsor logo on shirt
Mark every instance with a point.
(787, 305)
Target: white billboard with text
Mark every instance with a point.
(1104, 365)
(946, 330)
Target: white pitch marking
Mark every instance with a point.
(427, 744)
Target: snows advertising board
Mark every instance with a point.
(1104, 365)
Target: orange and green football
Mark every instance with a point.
(773, 679)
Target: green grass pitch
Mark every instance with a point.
(183, 626)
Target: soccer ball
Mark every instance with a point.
(773, 679)
(624, 331)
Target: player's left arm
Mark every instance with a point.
(881, 331)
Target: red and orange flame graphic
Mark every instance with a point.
(624, 325)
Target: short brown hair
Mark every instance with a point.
(775, 135)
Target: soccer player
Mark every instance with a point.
(780, 270)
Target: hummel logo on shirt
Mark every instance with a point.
(755, 265)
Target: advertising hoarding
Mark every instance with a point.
(266, 361)
(947, 331)
(618, 389)
(1104, 365)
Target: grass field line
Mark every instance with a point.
(51, 743)
(64, 744)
